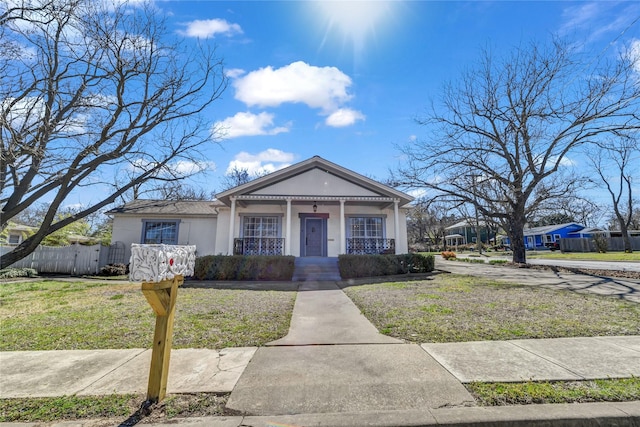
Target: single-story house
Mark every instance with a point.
(464, 233)
(314, 208)
(14, 234)
(542, 237)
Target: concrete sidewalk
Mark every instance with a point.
(628, 289)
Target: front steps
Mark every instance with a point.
(316, 269)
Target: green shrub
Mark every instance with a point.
(471, 260)
(498, 261)
(244, 267)
(10, 273)
(114, 270)
(352, 266)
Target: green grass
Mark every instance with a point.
(609, 390)
(587, 256)
(116, 407)
(51, 315)
(455, 308)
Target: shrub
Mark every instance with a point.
(11, 273)
(448, 255)
(352, 266)
(244, 267)
(498, 261)
(471, 260)
(114, 270)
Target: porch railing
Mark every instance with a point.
(369, 246)
(258, 246)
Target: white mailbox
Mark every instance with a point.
(155, 263)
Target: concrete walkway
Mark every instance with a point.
(324, 314)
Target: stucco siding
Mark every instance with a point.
(191, 231)
(315, 183)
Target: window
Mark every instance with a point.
(366, 227)
(260, 226)
(556, 237)
(14, 239)
(160, 232)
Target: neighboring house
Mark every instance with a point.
(312, 208)
(464, 232)
(546, 236)
(14, 234)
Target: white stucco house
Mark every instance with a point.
(314, 208)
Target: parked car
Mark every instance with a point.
(553, 246)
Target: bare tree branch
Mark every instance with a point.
(513, 121)
(90, 89)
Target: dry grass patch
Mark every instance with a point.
(51, 315)
(123, 410)
(455, 308)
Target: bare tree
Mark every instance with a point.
(426, 223)
(615, 162)
(91, 90)
(238, 176)
(513, 121)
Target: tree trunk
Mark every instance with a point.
(625, 236)
(516, 236)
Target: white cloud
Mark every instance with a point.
(267, 161)
(234, 73)
(205, 28)
(299, 82)
(634, 51)
(344, 117)
(189, 167)
(248, 124)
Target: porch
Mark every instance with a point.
(276, 246)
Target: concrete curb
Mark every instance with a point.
(599, 414)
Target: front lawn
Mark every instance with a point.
(455, 308)
(54, 315)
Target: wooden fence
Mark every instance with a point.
(75, 259)
(583, 244)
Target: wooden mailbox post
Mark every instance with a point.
(161, 268)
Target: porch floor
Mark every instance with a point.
(316, 269)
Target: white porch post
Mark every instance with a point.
(396, 218)
(343, 236)
(287, 237)
(232, 225)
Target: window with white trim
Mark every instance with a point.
(155, 232)
(260, 226)
(366, 227)
(14, 239)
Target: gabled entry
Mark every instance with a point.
(313, 235)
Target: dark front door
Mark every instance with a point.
(314, 237)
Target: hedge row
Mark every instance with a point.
(244, 267)
(352, 266)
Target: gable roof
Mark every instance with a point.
(546, 229)
(360, 184)
(466, 223)
(167, 207)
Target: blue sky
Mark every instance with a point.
(345, 80)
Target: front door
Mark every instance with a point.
(314, 237)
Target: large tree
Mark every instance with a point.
(501, 137)
(615, 163)
(92, 92)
